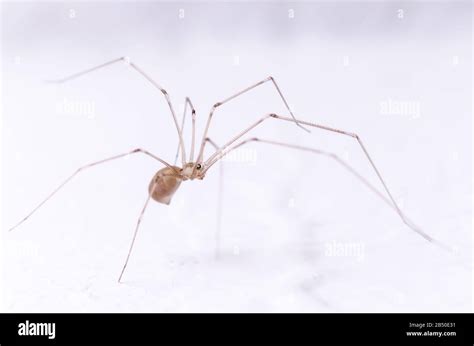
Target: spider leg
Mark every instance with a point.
(353, 135)
(80, 169)
(218, 104)
(147, 77)
(187, 102)
(219, 201)
(222, 151)
(136, 231)
(314, 151)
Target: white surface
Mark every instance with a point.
(285, 210)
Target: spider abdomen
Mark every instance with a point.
(164, 184)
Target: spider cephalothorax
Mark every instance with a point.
(192, 171)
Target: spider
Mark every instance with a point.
(169, 178)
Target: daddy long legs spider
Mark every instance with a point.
(169, 178)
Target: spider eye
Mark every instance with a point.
(198, 166)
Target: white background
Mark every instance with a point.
(283, 211)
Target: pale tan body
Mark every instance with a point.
(168, 179)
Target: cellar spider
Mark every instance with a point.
(168, 179)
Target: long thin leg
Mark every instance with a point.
(220, 194)
(187, 102)
(193, 119)
(314, 151)
(333, 156)
(139, 150)
(222, 151)
(140, 71)
(136, 231)
(218, 104)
